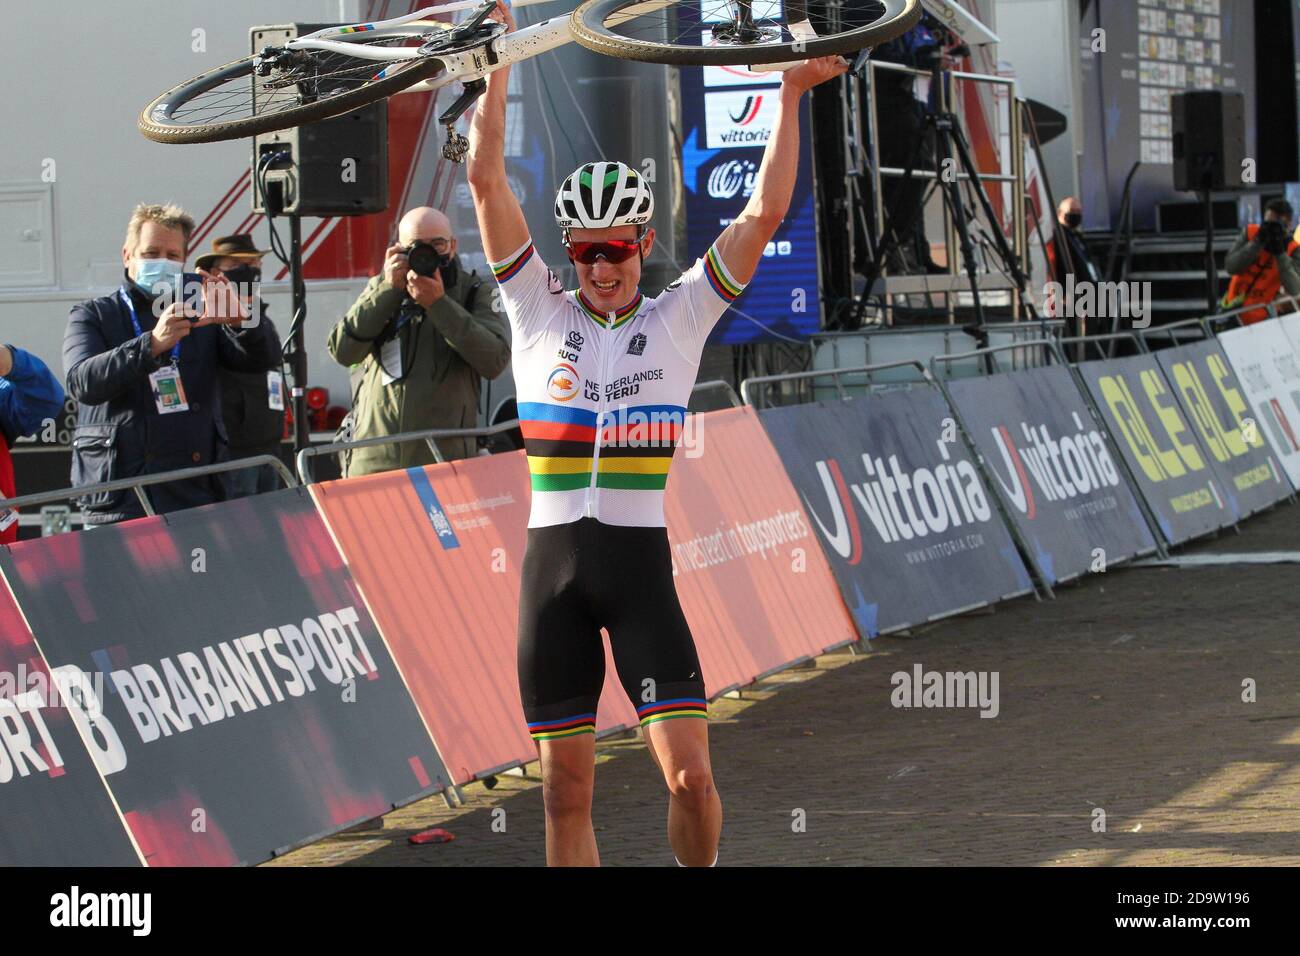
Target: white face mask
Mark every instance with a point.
(150, 272)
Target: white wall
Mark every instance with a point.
(1040, 38)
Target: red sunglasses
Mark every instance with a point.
(614, 250)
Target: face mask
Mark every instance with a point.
(1074, 219)
(151, 272)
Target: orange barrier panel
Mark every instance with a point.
(750, 574)
(437, 553)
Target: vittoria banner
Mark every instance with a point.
(225, 674)
(899, 508)
(1213, 401)
(1054, 470)
(1178, 478)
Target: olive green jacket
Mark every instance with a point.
(449, 348)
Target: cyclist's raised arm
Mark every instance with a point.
(500, 218)
(741, 244)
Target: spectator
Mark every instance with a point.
(1075, 259)
(425, 341)
(1262, 262)
(142, 366)
(252, 403)
(30, 395)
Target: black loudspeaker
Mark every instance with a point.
(1209, 139)
(333, 167)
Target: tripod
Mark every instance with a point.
(949, 145)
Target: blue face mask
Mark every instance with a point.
(150, 272)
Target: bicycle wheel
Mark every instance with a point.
(280, 88)
(738, 32)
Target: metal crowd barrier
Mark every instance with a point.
(140, 482)
(833, 373)
(305, 455)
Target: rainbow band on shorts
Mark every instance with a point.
(565, 727)
(672, 709)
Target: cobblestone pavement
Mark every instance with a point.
(1124, 695)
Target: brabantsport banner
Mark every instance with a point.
(1063, 488)
(1176, 475)
(1268, 368)
(54, 807)
(1212, 399)
(901, 512)
(248, 704)
(756, 590)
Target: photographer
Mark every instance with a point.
(142, 365)
(1262, 262)
(426, 332)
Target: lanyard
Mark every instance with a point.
(135, 323)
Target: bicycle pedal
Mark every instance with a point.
(456, 148)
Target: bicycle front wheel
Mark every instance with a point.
(738, 32)
(281, 88)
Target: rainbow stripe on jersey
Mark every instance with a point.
(672, 709)
(636, 445)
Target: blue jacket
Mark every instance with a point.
(29, 395)
(119, 432)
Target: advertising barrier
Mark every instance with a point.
(248, 703)
(54, 807)
(1054, 470)
(755, 587)
(1268, 368)
(1215, 405)
(1180, 481)
(909, 528)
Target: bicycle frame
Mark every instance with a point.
(474, 63)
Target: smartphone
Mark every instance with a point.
(188, 290)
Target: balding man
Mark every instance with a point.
(423, 343)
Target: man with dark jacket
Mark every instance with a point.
(1264, 261)
(252, 403)
(142, 366)
(425, 342)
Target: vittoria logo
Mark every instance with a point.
(562, 383)
(637, 345)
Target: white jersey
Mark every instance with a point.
(602, 397)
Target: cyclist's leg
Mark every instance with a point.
(660, 671)
(561, 662)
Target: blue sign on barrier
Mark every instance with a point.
(1061, 485)
(906, 522)
(1178, 478)
(1212, 399)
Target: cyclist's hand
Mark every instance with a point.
(502, 14)
(395, 267)
(817, 70)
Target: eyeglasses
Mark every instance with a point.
(614, 250)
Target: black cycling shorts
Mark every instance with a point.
(578, 578)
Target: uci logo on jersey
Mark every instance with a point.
(562, 383)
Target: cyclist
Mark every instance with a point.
(603, 375)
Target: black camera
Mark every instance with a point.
(424, 259)
(1272, 236)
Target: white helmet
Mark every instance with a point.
(600, 195)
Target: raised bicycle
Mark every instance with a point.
(338, 69)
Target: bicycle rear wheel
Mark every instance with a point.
(738, 32)
(264, 93)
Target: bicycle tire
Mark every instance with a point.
(335, 105)
(587, 23)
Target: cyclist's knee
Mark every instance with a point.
(691, 782)
(567, 787)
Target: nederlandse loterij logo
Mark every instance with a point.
(562, 383)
